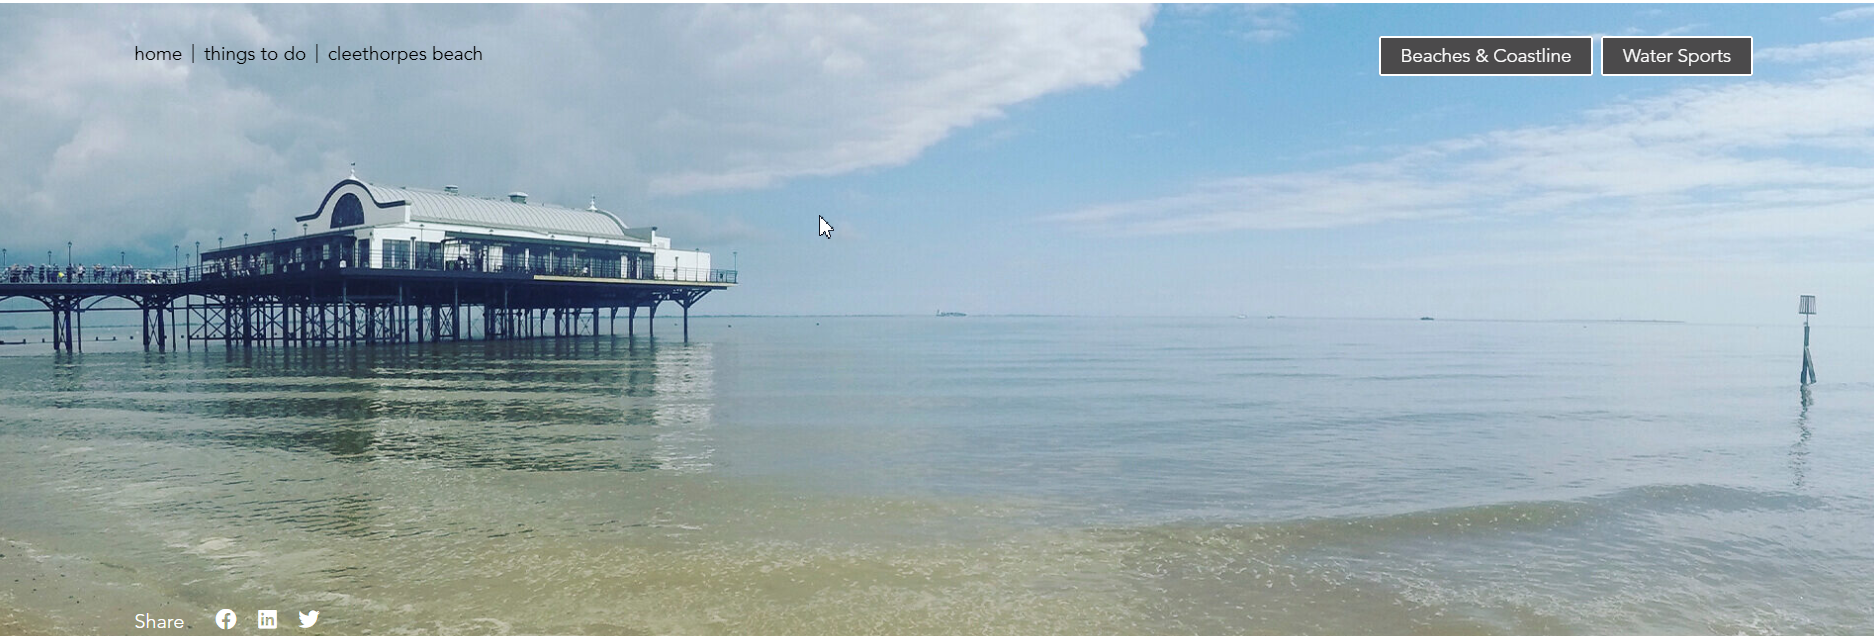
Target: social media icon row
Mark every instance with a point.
(266, 619)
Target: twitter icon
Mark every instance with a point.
(306, 619)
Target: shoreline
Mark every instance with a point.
(23, 576)
(12, 621)
(39, 592)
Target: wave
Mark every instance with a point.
(1499, 517)
(1601, 564)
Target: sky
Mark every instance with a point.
(1081, 160)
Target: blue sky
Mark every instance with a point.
(1211, 103)
(1057, 160)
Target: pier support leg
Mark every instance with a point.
(57, 335)
(685, 300)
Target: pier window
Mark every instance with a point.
(396, 254)
(348, 211)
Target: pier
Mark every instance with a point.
(331, 305)
(392, 265)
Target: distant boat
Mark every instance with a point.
(1425, 317)
(1242, 316)
(951, 314)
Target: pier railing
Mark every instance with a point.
(567, 265)
(98, 274)
(236, 267)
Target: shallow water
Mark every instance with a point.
(975, 475)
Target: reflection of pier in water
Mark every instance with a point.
(312, 446)
(525, 406)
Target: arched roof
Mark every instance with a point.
(443, 207)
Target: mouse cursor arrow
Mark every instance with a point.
(826, 229)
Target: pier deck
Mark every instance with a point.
(323, 303)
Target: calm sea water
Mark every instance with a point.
(956, 476)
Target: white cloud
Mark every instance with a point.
(1857, 13)
(1860, 49)
(1268, 23)
(1259, 23)
(148, 145)
(626, 102)
(814, 91)
(1749, 162)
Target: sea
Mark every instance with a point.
(964, 475)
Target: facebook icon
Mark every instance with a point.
(225, 619)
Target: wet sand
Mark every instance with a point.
(46, 595)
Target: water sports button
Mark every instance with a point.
(1675, 55)
(1487, 55)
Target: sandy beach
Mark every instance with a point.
(43, 593)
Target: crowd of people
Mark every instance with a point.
(86, 274)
